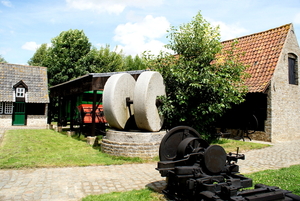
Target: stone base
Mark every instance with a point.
(70, 133)
(92, 140)
(132, 143)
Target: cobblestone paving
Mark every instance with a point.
(74, 183)
(281, 154)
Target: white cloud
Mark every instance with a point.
(229, 31)
(136, 38)
(297, 19)
(7, 3)
(32, 46)
(111, 6)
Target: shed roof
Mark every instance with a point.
(89, 82)
(34, 77)
(261, 53)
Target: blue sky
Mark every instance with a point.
(132, 25)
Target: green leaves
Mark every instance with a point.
(199, 88)
(71, 55)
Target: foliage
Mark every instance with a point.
(71, 55)
(46, 148)
(284, 178)
(102, 60)
(38, 59)
(138, 195)
(66, 50)
(2, 60)
(134, 63)
(200, 87)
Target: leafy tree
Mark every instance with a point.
(134, 63)
(63, 56)
(102, 60)
(38, 59)
(2, 60)
(202, 81)
(105, 60)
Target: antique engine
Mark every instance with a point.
(196, 170)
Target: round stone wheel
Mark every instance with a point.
(117, 88)
(148, 88)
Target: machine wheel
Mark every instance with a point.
(169, 143)
(190, 145)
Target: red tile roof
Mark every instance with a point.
(261, 54)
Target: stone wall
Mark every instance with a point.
(5, 120)
(284, 109)
(132, 144)
(37, 121)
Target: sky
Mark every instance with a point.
(134, 26)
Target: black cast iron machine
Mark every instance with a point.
(198, 171)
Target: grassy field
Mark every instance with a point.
(284, 178)
(47, 148)
(231, 145)
(134, 195)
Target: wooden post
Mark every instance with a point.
(94, 113)
(72, 107)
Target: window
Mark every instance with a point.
(20, 92)
(1, 107)
(8, 108)
(293, 69)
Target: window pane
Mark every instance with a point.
(20, 92)
(292, 71)
(1, 107)
(8, 108)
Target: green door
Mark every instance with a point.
(19, 116)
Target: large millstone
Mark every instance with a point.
(117, 88)
(149, 86)
(143, 95)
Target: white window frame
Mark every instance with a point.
(1, 107)
(8, 108)
(20, 92)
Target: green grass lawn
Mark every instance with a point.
(134, 195)
(47, 148)
(231, 145)
(284, 178)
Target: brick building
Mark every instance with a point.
(23, 95)
(272, 58)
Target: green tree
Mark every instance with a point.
(134, 63)
(102, 60)
(2, 60)
(38, 59)
(63, 56)
(202, 81)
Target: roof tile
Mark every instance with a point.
(262, 51)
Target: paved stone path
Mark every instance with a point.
(282, 154)
(74, 183)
